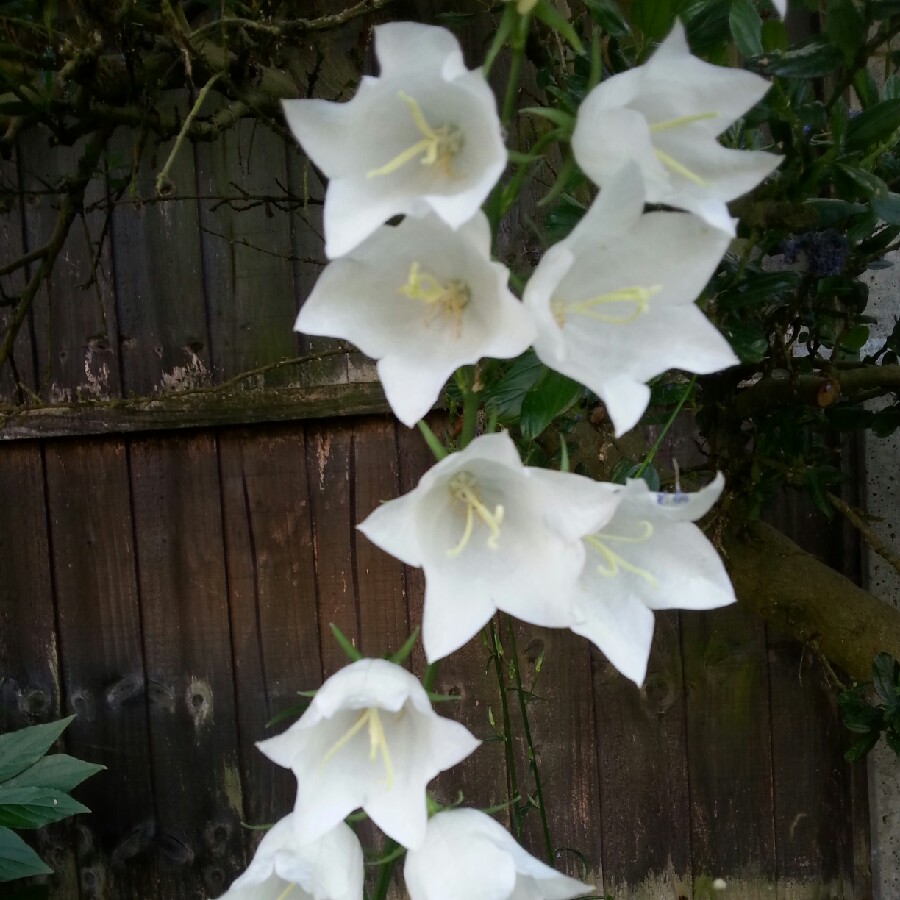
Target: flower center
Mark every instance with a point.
(448, 299)
(670, 162)
(438, 146)
(632, 301)
(612, 561)
(377, 741)
(464, 488)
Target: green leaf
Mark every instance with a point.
(34, 807)
(58, 771)
(830, 212)
(865, 182)
(887, 207)
(774, 36)
(855, 337)
(559, 117)
(862, 746)
(504, 397)
(349, 650)
(845, 27)
(555, 20)
(653, 17)
(20, 749)
(549, 398)
(873, 125)
(814, 59)
(608, 16)
(17, 859)
(746, 27)
(884, 678)
(402, 654)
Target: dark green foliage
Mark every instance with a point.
(873, 709)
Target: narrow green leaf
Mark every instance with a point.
(559, 117)
(746, 27)
(434, 445)
(862, 746)
(563, 455)
(884, 678)
(653, 17)
(554, 19)
(349, 650)
(608, 16)
(17, 859)
(845, 26)
(830, 212)
(887, 207)
(549, 398)
(34, 807)
(58, 771)
(815, 58)
(402, 654)
(22, 748)
(873, 125)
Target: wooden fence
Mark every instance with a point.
(168, 573)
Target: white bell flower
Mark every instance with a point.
(329, 868)
(423, 300)
(666, 115)
(614, 301)
(649, 556)
(468, 856)
(781, 7)
(422, 137)
(368, 739)
(491, 534)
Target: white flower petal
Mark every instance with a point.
(408, 46)
(621, 627)
(452, 614)
(466, 854)
(780, 7)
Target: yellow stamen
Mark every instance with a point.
(438, 146)
(613, 561)
(682, 120)
(638, 295)
(448, 299)
(286, 891)
(678, 168)
(464, 487)
(377, 741)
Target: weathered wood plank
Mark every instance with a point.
(159, 284)
(729, 751)
(102, 664)
(383, 615)
(74, 314)
(191, 409)
(329, 462)
(31, 687)
(642, 760)
(247, 248)
(17, 377)
(187, 645)
(272, 594)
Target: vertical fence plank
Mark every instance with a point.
(159, 273)
(642, 759)
(248, 252)
(75, 329)
(272, 593)
(31, 689)
(17, 375)
(329, 461)
(103, 665)
(383, 616)
(729, 752)
(187, 642)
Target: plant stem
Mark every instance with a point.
(512, 780)
(526, 728)
(658, 442)
(470, 416)
(383, 882)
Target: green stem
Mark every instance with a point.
(386, 871)
(526, 728)
(470, 417)
(512, 780)
(658, 442)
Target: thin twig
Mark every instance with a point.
(859, 523)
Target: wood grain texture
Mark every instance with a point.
(272, 595)
(102, 664)
(188, 651)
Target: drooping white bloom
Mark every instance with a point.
(649, 556)
(468, 856)
(491, 534)
(614, 301)
(329, 868)
(368, 739)
(422, 137)
(781, 7)
(423, 299)
(666, 116)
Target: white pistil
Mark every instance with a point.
(612, 560)
(463, 487)
(637, 295)
(377, 741)
(682, 120)
(438, 146)
(450, 298)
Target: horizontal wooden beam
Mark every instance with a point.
(191, 409)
